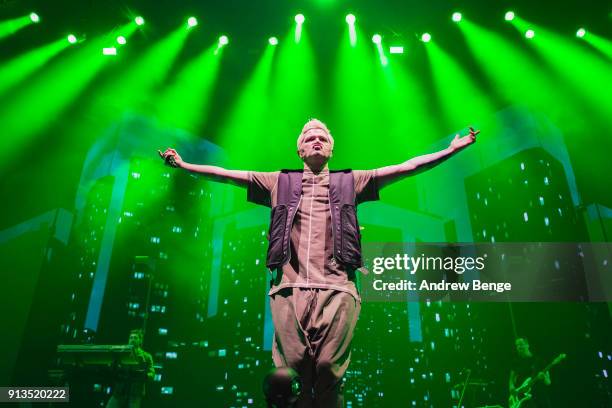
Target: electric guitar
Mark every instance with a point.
(523, 392)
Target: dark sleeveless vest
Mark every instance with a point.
(342, 204)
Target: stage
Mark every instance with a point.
(408, 204)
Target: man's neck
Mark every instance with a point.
(315, 168)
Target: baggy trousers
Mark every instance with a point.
(313, 329)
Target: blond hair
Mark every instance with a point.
(314, 124)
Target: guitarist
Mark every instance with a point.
(525, 366)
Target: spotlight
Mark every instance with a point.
(34, 17)
(426, 37)
(529, 34)
(396, 50)
(456, 17)
(139, 20)
(192, 22)
(223, 40)
(509, 16)
(377, 39)
(109, 51)
(273, 40)
(71, 39)
(299, 20)
(580, 33)
(350, 20)
(121, 40)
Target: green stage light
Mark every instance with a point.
(10, 27)
(556, 50)
(534, 90)
(147, 72)
(426, 37)
(186, 101)
(456, 17)
(273, 40)
(350, 20)
(139, 20)
(34, 17)
(509, 16)
(71, 39)
(250, 111)
(580, 33)
(452, 80)
(223, 40)
(377, 39)
(192, 22)
(18, 69)
(299, 20)
(121, 40)
(601, 44)
(43, 98)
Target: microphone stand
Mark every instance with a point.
(465, 383)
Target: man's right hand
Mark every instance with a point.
(171, 157)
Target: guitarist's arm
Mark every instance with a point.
(512, 382)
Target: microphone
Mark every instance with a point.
(171, 161)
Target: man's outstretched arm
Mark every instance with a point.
(216, 173)
(390, 174)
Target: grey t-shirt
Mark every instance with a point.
(312, 264)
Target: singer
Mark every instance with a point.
(314, 252)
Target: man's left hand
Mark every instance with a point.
(459, 143)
